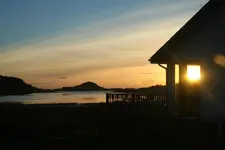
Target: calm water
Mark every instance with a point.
(57, 97)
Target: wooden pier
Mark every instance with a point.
(135, 97)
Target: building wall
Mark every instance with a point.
(213, 90)
(203, 46)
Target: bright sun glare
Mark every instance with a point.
(193, 73)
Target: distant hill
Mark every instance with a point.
(87, 86)
(157, 89)
(123, 89)
(15, 86)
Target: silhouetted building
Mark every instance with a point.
(201, 41)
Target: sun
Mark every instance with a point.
(193, 73)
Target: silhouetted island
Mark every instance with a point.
(87, 86)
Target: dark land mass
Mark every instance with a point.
(102, 126)
(158, 89)
(16, 86)
(87, 86)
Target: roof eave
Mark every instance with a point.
(160, 58)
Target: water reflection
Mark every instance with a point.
(58, 97)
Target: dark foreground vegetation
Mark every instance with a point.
(101, 126)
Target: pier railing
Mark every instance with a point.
(135, 97)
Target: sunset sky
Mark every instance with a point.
(55, 43)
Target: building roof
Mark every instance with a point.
(199, 20)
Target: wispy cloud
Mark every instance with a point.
(125, 41)
(62, 78)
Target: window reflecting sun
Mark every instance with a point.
(193, 73)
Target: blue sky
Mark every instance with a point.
(53, 43)
(25, 19)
